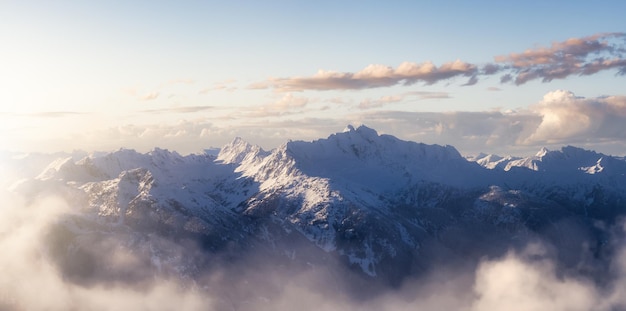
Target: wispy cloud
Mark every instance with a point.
(192, 136)
(160, 90)
(339, 101)
(54, 114)
(429, 95)
(150, 96)
(369, 103)
(43, 114)
(408, 96)
(180, 81)
(575, 56)
(226, 85)
(372, 76)
(286, 105)
(189, 109)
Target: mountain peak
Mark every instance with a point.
(542, 152)
(361, 132)
(363, 157)
(362, 129)
(238, 151)
(366, 132)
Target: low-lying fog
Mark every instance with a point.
(32, 278)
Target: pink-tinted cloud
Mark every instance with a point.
(569, 50)
(574, 56)
(372, 76)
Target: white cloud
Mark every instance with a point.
(31, 280)
(515, 284)
(567, 118)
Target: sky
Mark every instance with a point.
(485, 76)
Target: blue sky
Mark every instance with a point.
(100, 75)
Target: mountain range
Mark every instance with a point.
(377, 209)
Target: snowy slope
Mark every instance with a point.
(568, 159)
(570, 168)
(190, 193)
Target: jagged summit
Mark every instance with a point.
(366, 132)
(570, 161)
(239, 151)
(361, 155)
(364, 142)
(542, 152)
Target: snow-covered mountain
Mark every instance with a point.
(569, 158)
(387, 208)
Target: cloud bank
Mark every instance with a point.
(524, 280)
(559, 118)
(574, 56)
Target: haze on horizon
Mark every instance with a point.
(483, 77)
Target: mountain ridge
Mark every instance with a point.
(381, 205)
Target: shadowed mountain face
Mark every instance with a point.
(369, 209)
